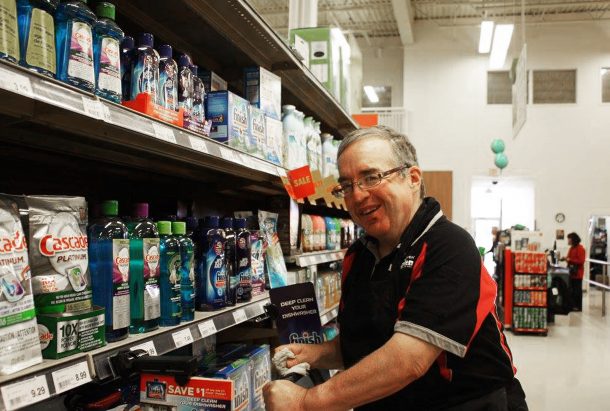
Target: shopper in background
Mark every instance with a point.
(419, 328)
(576, 265)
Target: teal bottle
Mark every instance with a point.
(107, 37)
(187, 273)
(37, 35)
(74, 41)
(9, 32)
(143, 271)
(171, 300)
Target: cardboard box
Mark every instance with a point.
(260, 374)
(229, 115)
(212, 81)
(257, 135)
(239, 372)
(263, 89)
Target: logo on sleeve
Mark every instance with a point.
(408, 262)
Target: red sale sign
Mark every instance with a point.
(301, 182)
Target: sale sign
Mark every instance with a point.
(301, 182)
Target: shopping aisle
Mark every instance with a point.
(570, 368)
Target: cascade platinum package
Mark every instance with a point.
(19, 347)
(58, 253)
(276, 266)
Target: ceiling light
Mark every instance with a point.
(499, 49)
(487, 31)
(371, 94)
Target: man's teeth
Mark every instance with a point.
(369, 211)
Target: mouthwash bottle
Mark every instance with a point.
(107, 37)
(243, 260)
(109, 265)
(37, 35)
(171, 300)
(232, 280)
(198, 96)
(74, 40)
(185, 85)
(212, 278)
(168, 78)
(145, 69)
(127, 50)
(187, 272)
(143, 271)
(9, 31)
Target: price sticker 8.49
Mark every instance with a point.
(25, 392)
(71, 377)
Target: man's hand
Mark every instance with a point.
(284, 395)
(302, 352)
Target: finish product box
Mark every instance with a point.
(260, 374)
(65, 334)
(212, 81)
(274, 143)
(239, 373)
(257, 135)
(229, 115)
(264, 90)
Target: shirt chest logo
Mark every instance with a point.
(408, 262)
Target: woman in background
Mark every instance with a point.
(576, 262)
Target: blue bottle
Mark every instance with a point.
(171, 300)
(168, 79)
(243, 260)
(231, 269)
(143, 271)
(198, 96)
(127, 50)
(9, 32)
(145, 69)
(185, 85)
(187, 272)
(74, 41)
(212, 276)
(37, 35)
(109, 265)
(107, 38)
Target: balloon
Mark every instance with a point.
(501, 160)
(497, 146)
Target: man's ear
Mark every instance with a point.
(415, 176)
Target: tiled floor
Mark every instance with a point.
(570, 368)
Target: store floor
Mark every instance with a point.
(570, 368)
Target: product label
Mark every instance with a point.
(120, 280)
(198, 111)
(239, 123)
(152, 303)
(216, 271)
(168, 84)
(257, 264)
(40, 50)
(67, 335)
(185, 91)
(9, 37)
(241, 391)
(80, 62)
(244, 265)
(109, 77)
(91, 333)
(173, 269)
(257, 131)
(146, 75)
(19, 348)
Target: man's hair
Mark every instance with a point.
(404, 152)
(575, 238)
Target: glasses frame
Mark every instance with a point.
(339, 190)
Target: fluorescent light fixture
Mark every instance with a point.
(487, 31)
(371, 94)
(502, 37)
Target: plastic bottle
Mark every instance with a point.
(337, 223)
(169, 262)
(9, 32)
(301, 140)
(127, 51)
(232, 274)
(291, 128)
(109, 265)
(198, 96)
(107, 37)
(309, 142)
(330, 233)
(327, 154)
(187, 273)
(307, 233)
(243, 258)
(319, 230)
(185, 85)
(143, 271)
(212, 279)
(145, 68)
(335, 169)
(168, 78)
(318, 146)
(37, 35)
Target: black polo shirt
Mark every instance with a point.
(433, 286)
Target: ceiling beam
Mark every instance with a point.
(404, 19)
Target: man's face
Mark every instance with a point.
(384, 211)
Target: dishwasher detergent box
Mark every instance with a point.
(212, 81)
(260, 373)
(263, 89)
(274, 143)
(237, 371)
(162, 392)
(257, 135)
(229, 115)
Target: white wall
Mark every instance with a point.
(564, 148)
(382, 65)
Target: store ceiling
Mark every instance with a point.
(376, 18)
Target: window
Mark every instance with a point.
(605, 73)
(554, 86)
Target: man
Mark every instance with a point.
(418, 325)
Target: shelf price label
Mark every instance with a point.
(148, 346)
(182, 337)
(240, 316)
(229, 155)
(207, 328)
(164, 133)
(25, 392)
(71, 377)
(16, 82)
(198, 144)
(95, 108)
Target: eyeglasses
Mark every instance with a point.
(365, 183)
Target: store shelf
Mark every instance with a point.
(329, 314)
(542, 331)
(530, 288)
(229, 36)
(55, 376)
(524, 273)
(318, 257)
(529, 305)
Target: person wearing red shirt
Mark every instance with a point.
(576, 263)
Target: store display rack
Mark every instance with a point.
(329, 314)
(314, 258)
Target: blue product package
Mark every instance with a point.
(239, 372)
(229, 115)
(257, 135)
(260, 374)
(263, 89)
(276, 266)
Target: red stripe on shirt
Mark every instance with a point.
(503, 340)
(445, 372)
(487, 298)
(348, 260)
(415, 274)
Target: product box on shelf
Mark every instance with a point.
(144, 103)
(162, 392)
(65, 334)
(229, 115)
(257, 248)
(530, 262)
(212, 81)
(260, 374)
(263, 89)
(257, 135)
(237, 371)
(274, 142)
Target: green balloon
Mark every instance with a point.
(497, 146)
(501, 160)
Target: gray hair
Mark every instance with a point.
(404, 152)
